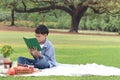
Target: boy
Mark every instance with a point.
(46, 57)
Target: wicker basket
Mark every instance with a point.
(24, 69)
(28, 71)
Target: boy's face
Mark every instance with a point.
(41, 38)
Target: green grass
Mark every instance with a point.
(70, 49)
(63, 78)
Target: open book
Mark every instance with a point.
(32, 43)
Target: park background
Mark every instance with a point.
(100, 45)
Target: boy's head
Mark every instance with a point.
(42, 29)
(41, 33)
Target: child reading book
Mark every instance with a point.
(44, 58)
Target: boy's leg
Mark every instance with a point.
(23, 60)
(41, 63)
(38, 63)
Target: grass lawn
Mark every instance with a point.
(70, 49)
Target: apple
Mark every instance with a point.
(14, 68)
(11, 71)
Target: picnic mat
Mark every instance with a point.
(78, 70)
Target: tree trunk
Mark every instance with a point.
(74, 25)
(12, 16)
(76, 17)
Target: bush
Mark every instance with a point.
(5, 16)
(64, 22)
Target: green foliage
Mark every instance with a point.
(35, 18)
(5, 15)
(63, 23)
(100, 22)
(6, 50)
(106, 6)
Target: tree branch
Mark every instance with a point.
(24, 5)
(98, 11)
(34, 1)
(50, 1)
(47, 8)
(70, 4)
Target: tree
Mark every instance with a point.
(12, 16)
(9, 4)
(75, 8)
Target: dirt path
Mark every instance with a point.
(15, 28)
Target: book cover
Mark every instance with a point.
(32, 43)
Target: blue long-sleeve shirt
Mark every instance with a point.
(49, 53)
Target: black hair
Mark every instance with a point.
(42, 29)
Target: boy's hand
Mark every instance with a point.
(31, 52)
(34, 52)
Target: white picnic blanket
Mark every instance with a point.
(78, 70)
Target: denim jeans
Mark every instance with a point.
(40, 63)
